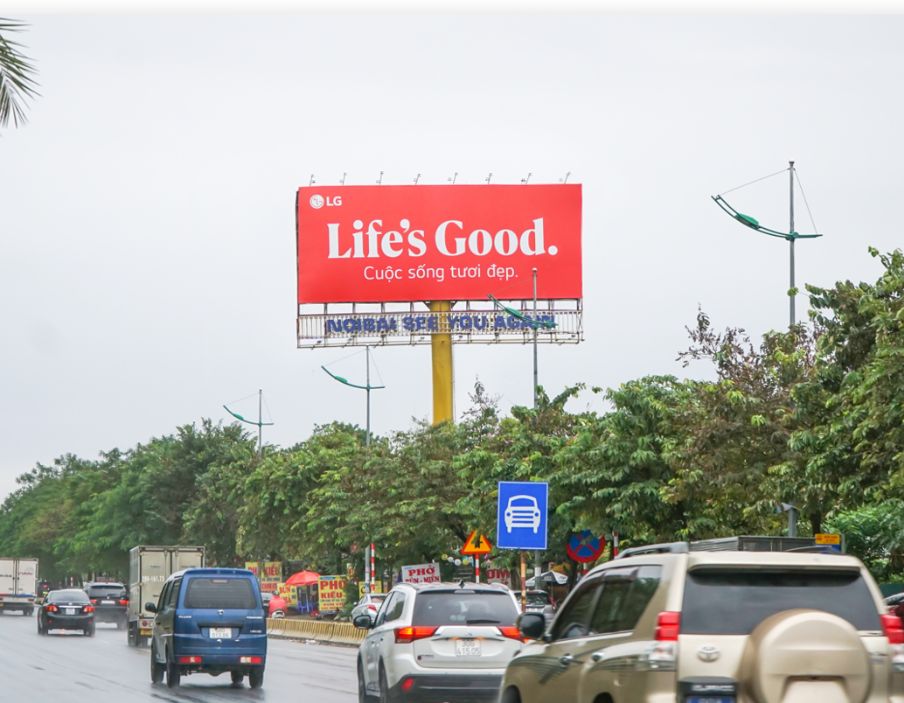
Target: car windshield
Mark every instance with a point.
(537, 599)
(220, 593)
(464, 608)
(735, 602)
(71, 596)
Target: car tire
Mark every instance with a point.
(40, 627)
(157, 669)
(173, 673)
(131, 635)
(237, 677)
(386, 695)
(89, 632)
(256, 677)
(363, 695)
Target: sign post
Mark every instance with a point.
(522, 520)
(475, 547)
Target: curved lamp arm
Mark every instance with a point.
(751, 222)
(349, 383)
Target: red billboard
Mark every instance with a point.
(368, 244)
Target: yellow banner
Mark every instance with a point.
(253, 567)
(331, 591)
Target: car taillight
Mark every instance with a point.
(51, 608)
(123, 601)
(893, 629)
(407, 684)
(251, 660)
(94, 600)
(404, 635)
(193, 659)
(511, 632)
(89, 608)
(668, 625)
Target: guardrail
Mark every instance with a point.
(320, 630)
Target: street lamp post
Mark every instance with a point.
(367, 388)
(790, 236)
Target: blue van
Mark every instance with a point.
(209, 620)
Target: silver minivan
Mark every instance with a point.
(438, 642)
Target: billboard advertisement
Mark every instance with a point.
(421, 573)
(383, 244)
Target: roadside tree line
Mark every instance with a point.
(813, 416)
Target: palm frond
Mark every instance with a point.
(17, 82)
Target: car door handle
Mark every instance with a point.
(566, 660)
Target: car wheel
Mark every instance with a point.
(90, 631)
(157, 668)
(173, 673)
(40, 628)
(237, 677)
(386, 695)
(363, 695)
(256, 677)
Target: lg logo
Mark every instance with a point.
(318, 201)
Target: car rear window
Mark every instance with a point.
(112, 590)
(220, 593)
(735, 602)
(68, 597)
(464, 608)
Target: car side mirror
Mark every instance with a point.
(150, 607)
(363, 622)
(532, 625)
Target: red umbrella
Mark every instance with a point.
(302, 578)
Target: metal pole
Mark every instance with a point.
(792, 295)
(535, 338)
(792, 521)
(367, 357)
(523, 579)
(441, 354)
(260, 421)
(538, 566)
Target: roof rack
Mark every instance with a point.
(664, 548)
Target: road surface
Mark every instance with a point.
(70, 668)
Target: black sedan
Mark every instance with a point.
(68, 609)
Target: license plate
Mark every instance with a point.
(107, 602)
(220, 633)
(69, 611)
(710, 699)
(467, 648)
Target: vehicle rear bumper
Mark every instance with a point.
(69, 622)
(448, 687)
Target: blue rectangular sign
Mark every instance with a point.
(521, 515)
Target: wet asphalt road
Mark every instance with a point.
(69, 668)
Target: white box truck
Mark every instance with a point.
(18, 584)
(149, 567)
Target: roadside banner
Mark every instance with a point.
(421, 573)
(331, 591)
(270, 576)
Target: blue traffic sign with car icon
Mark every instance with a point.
(521, 515)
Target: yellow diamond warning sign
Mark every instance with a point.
(475, 546)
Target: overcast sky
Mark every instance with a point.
(147, 273)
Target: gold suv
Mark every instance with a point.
(675, 623)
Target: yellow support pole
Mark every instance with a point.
(441, 349)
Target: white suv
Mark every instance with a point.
(676, 624)
(438, 642)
